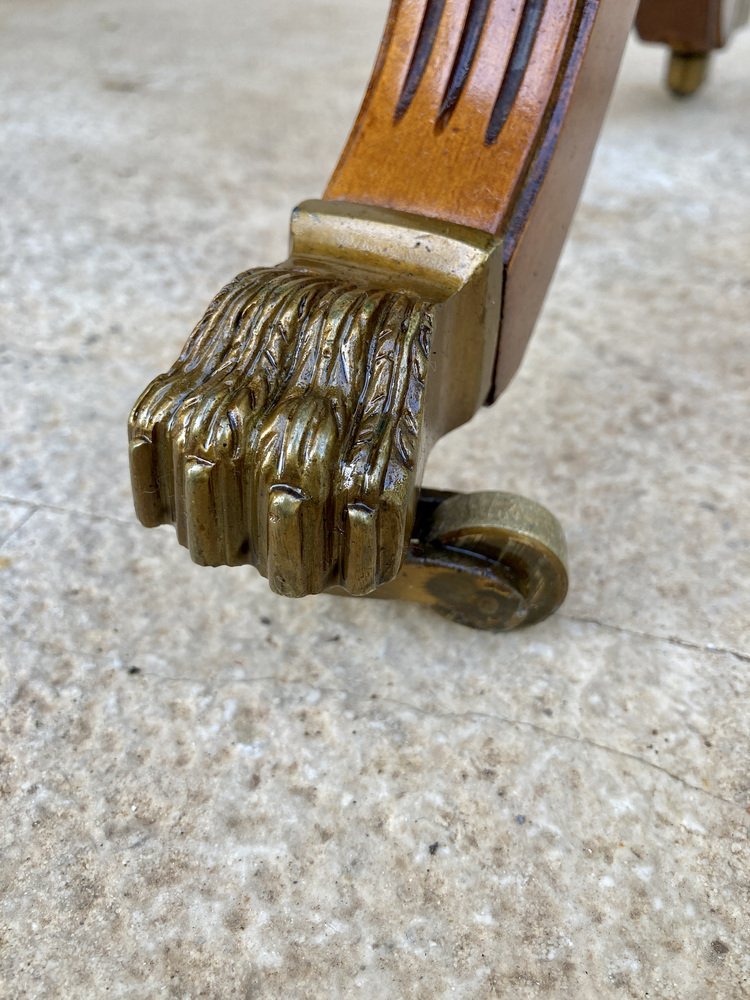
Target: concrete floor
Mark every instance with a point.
(210, 791)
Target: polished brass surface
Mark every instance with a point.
(292, 431)
(687, 72)
(492, 561)
(268, 441)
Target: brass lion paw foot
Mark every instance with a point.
(292, 431)
(287, 434)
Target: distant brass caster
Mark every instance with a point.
(692, 30)
(687, 72)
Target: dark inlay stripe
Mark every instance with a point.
(519, 59)
(467, 49)
(421, 56)
(557, 109)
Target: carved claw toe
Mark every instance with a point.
(295, 463)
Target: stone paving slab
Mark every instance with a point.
(210, 791)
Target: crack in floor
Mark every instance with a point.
(60, 509)
(34, 507)
(579, 619)
(672, 640)
(17, 527)
(456, 716)
(365, 698)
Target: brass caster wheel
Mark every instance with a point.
(491, 561)
(687, 72)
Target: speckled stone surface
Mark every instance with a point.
(210, 791)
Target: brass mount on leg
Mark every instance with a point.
(292, 431)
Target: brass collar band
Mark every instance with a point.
(456, 268)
